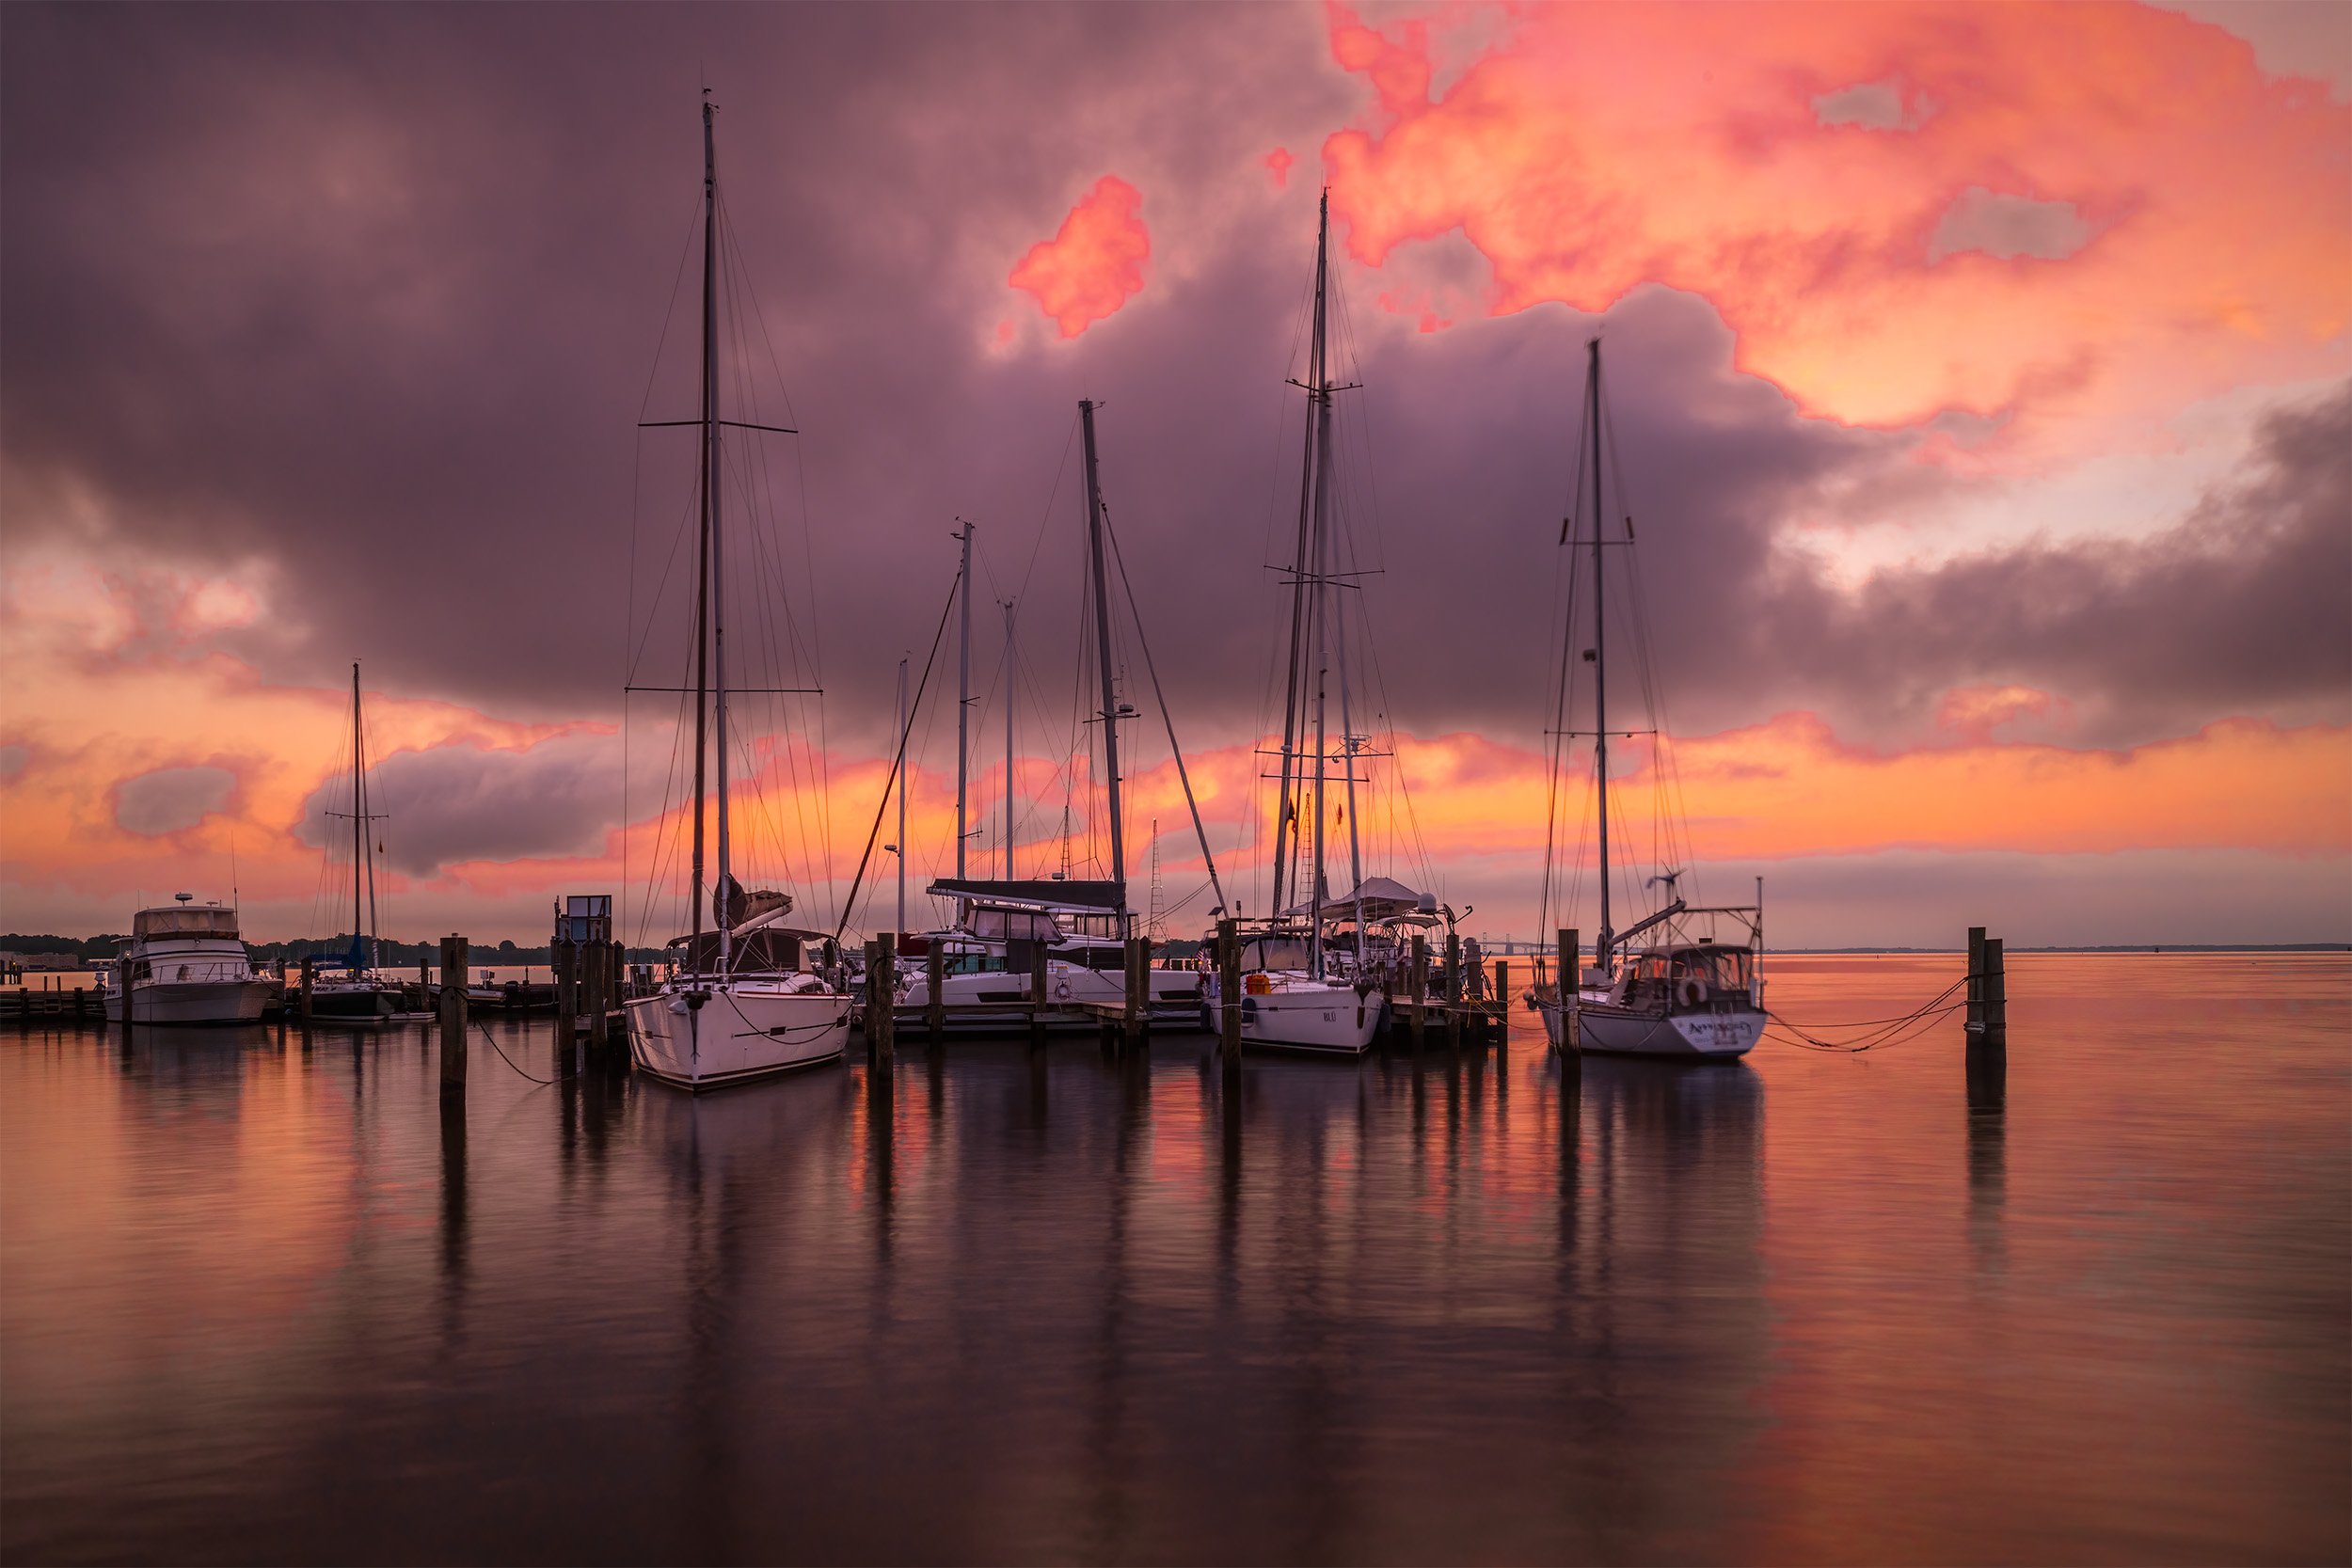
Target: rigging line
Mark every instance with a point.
(636, 496)
(1175, 751)
(850, 903)
(758, 479)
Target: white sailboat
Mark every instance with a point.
(1677, 994)
(1308, 984)
(185, 963)
(743, 1000)
(359, 992)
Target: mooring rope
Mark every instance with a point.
(502, 1055)
(1891, 1030)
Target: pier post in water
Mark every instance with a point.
(1417, 990)
(935, 992)
(1996, 993)
(1137, 1020)
(1228, 988)
(1572, 986)
(1455, 990)
(1038, 997)
(882, 999)
(1502, 1003)
(1976, 977)
(453, 1015)
(597, 970)
(303, 1006)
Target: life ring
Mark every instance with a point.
(1690, 993)
(1061, 991)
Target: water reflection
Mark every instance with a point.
(1005, 1302)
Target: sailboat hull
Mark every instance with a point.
(745, 1030)
(1302, 1015)
(1606, 1030)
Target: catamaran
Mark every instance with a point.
(1312, 979)
(743, 999)
(1656, 987)
(1083, 925)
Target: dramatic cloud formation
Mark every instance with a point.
(1093, 263)
(1978, 378)
(1702, 156)
(170, 800)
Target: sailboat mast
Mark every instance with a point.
(1008, 690)
(963, 702)
(358, 811)
(702, 542)
(366, 820)
(1318, 621)
(1600, 663)
(1285, 837)
(902, 797)
(1102, 653)
(714, 476)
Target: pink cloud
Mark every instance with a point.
(1094, 263)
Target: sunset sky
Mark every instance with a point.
(1982, 380)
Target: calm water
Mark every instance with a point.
(258, 1302)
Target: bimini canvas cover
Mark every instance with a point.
(185, 920)
(1384, 899)
(1045, 895)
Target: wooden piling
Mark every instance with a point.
(1976, 977)
(598, 971)
(453, 1015)
(1502, 1003)
(882, 999)
(1417, 991)
(1455, 990)
(1038, 998)
(1228, 988)
(935, 992)
(1137, 1020)
(1571, 987)
(308, 970)
(565, 969)
(1996, 993)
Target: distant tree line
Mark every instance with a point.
(389, 955)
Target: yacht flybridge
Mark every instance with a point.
(743, 1000)
(185, 963)
(1658, 988)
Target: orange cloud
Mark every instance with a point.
(1790, 787)
(2086, 215)
(1278, 165)
(1093, 263)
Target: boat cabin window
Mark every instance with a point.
(1271, 953)
(1722, 968)
(1011, 926)
(187, 920)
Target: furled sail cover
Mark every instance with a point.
(1384, 899)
